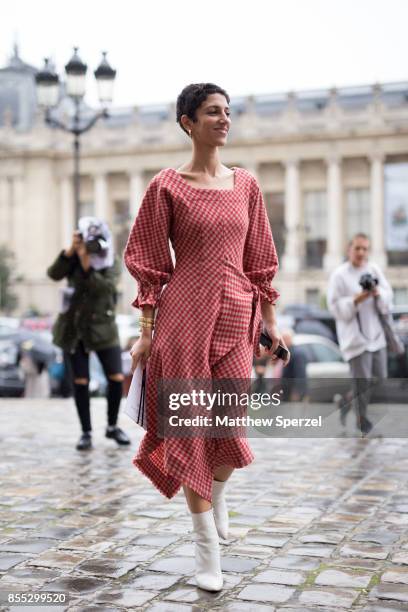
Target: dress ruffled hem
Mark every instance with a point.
(164, 478)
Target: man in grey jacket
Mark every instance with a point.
(359, 330)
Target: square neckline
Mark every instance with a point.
(234, 168)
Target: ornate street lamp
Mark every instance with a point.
(48, 96)
(105, 77)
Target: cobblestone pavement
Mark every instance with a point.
(317, 524)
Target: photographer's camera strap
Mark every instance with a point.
(363, 334)
(372, 272)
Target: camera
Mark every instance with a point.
(95, 245)
(368, 282)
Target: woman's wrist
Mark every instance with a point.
(268, 313)
(146, 321)
(146, 332)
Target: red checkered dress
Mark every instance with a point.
(209, 318)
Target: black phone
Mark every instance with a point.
(280, 352)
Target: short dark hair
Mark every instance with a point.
(358, 235)
(192, 97)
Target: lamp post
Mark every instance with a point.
(48, 95)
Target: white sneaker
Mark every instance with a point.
(220, 508)
(207, 552)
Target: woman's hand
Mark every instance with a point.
(362, 296)
(80, 248)
(276, 337)
(76, 242)
(140, 351)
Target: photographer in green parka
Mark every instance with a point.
(87, 323)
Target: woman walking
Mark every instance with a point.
(210, 314)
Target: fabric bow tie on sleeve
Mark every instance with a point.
(255, 327)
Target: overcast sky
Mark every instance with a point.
(247, 47)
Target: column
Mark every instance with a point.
(19, 222)
(136, 193)
(18, 240)
(377, 221)
(291, 260)
(101, 197)
(335, 231)
(5, 220)
(67, 213)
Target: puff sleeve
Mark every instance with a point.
(147, 253)
(260, 259)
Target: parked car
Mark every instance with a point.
(8, 325)
(326, 370)
(11, 377)
(21, 352)
(315, 321)
(328, 373)
(311, 320)
(12, 381)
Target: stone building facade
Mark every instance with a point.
(329, 162)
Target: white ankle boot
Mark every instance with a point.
(220, 508)
(207, 552)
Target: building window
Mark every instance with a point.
(86, 209)
(358, 211)
(315, 214)
(400, 296)
(275, 206)
(313, 297)
(396, 212)
(121, 224)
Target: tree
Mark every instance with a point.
(8, 277)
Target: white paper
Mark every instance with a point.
(66, 294)
(135, 406)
